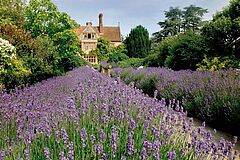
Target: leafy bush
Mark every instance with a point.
(15, 75)
(148, 85)
(217, 63)
(131, 62)
(186, 52)
(151, 60)
(118, 54)
(7, 53)
(68, 48)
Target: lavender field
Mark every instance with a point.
(213, 97)
(87, 115)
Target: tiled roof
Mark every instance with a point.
(109, 33)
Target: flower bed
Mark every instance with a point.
(213, 97)
(87, 115)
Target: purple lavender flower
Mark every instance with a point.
(104, 156)
(26, 154)
(102, 135)
(71, 151)
(47, 153)
(114, 140)
(83, 136)
(98, 148)
(92, 139)
(130, 144)
(171, 155)
(2, 155)
(62, 156)
(143, 154)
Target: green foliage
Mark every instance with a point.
(103, 49)
(186, 52)
(179, 21)
(173, 23)
(223, 32)
(19, 38)
(138, 43)
(12, 12)
(118, 54)
(42, 61)
(12, 70)
(7, 54)
(68, 48)
(15, 75)
(192, 18)
(164, 48)
(152, 60)
(43, 17)
(45, 45)
(148, 85)
(216, 63)
(131, 62)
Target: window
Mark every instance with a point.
(89, 36)
(91, 58)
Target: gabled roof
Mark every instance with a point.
(109, 33)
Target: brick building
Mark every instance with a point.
(89, 34)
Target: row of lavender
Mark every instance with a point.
(213, 97)
(86, 115)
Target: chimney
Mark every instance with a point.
(89, 24)
(100, 22)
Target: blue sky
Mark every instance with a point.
(130, 13)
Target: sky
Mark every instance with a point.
(130, 13)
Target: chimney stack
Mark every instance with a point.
(100, 22)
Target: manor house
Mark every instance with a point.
(89, 34)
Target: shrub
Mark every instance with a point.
(217, 63)
(131, 62)
(151, 60)
(119, 53)
(15, 75)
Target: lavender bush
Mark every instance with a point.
(213, 97)
(86, 115)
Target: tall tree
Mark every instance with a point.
(192, 18)
(172, 25)
(43, 17)
(178, 21)
(137, 42)
(223, 32)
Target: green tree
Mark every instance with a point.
(192, 18)
(164, 48)
(172, 25)
(43, 17)
(103, 49)
(12, 12)
(137, 42)
(223, 32)
(187, 51)
(178, 21)
(118, 53)
(69, 51)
